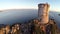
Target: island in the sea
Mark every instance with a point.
(41, 25)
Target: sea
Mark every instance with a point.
(12, 16)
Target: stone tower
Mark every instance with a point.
(43, 13)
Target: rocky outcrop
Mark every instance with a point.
(32, 27)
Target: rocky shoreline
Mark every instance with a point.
(32, 27)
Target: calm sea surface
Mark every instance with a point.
(22, 15)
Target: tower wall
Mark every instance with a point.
(43, 13)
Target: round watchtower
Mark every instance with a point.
(43, 13)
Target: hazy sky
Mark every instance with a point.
(20, 4)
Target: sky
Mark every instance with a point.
(28, 4)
